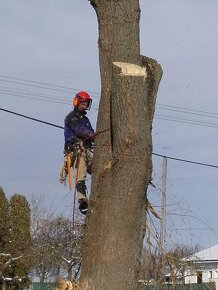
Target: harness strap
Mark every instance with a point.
(68, 158)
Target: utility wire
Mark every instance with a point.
(37, 86)
(30, 118)
(186, 121)
(185, 160)
(21, 93)
(72, 90)
(209, 115)
(44, 99)
(28, 95)
(42, 83)
(183, 109)
(189, 120)
(44, 87)
(153, 153)
(36, 97)
(32, 93)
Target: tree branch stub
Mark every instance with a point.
(130, 69)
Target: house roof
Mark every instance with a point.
(209, 254)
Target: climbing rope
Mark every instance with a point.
(77, 162)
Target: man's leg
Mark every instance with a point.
(89, 158)
(80, 168)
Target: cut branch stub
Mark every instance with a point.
(130, 69)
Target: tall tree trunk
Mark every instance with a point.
(122, 160)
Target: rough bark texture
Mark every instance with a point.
(122, 160)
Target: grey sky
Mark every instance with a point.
(56, 42)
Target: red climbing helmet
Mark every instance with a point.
(82, 97)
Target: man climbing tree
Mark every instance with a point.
(79, 137)
(122, 164)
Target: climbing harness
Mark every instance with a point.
(66, 171)
(72, 159)
(65, 168)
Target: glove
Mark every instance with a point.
(68, 147)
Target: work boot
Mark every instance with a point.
(83, 205)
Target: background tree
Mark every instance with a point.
(56, 244)
(4, 227)
(148, 266)
(67, 242)
(20, 240)
(174, 260)
(43, 256)
(121, 174)
(40, 211)
(173, 263)
(57, 248)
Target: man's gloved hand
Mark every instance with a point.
(77, 145)
(80, 143)
(68, 147)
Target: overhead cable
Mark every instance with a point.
(186, 121)
(185, 160)
(184, 109)
(53, 86)
(42, 85)
(30, 118)
(153, 153)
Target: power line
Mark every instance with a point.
(37, 86)
(30, 118)
(70, 90)
(186, 110)
(209, 115)
(60, 101)
(74, 90)
(44, 99)
(42, 85)
(185, 160)
(186, 121)
(28, 95)
(153, 153)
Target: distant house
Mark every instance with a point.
(202, 267)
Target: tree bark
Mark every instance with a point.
(122, 159)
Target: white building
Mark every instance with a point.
(202, 267)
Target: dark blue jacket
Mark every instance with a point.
(77, 127)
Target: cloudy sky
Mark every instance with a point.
(49, 51)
